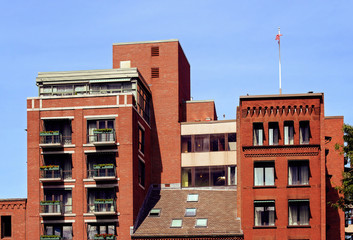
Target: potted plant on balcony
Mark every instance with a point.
(103, 201)
(99, 236)
(103, 130)
(49, 133)
(110, 237)
(49, 202)
(50, 167)
(103, 166)
(50, 237)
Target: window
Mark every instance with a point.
(193, 197)
(298, 173)
(100, 229)
(298, 212)
(273, 132)
(176, 223)
(208, 176)
(101, 200)
(64, 231)
(217, 142)
(100, 130)
(304, 132)
(264, 213)
(201, 222)
(155, 212)
(154, 51)
(264, 173)
(185, 144)
(154, 72)
(202, 143)
(232, 141)
(141, 173)
(6, 228)
(258, 134)
(288, 133)
(190, 212)
(141, 144)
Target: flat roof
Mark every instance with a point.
(143, 42)
(12, 199)
(298, 95)
(210, 122)
(199, 101)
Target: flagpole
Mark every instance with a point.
(279, 51)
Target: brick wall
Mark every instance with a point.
(16, 209)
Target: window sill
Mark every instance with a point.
(260, 187)
(298, 226)
(264, 227)
(298, 186)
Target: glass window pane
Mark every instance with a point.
(186, 177)
(202, 143)
(232, 142)
(218, 176)
(190, 212)
(67, 232)
(202, 177)
(202, 222)
(232, 175)
(185, 144)
(176, 223)
(258, 176)
(269, 176)
(193, 197)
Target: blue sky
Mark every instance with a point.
(230, 45)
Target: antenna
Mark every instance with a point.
(278, 37)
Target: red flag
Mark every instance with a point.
(278, 37)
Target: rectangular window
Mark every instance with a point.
(154, 72)
(6, 228)
(202, 176)
(298, 173)
(264, 173)
(288, 133)
(273, 132)
(186, 177)
(192, 197)
(264, 213)
(100, 130)
(232, 175)
(154, 51)
(185, 144)
(141, 144)
(155, 212)
(141, 173)
(64, 231)
(217, 142)
(298, 212)
(304, 132)
(176, 223)
(190, 212)
(202, 143)
(232, 141)
(94, 230)
(258, 134)
(201, 222)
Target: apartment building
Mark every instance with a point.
(288, 167)
(124, 153)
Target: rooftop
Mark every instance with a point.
(299, 95)
(217, 206)
(142, 42)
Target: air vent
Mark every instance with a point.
(155, 72)
(154, 51)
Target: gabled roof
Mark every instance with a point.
(218, 206)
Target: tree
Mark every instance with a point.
(346, 189)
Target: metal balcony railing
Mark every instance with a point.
(101, 136)
(58, 174)
(101, 170)
(102, 206)
(54, 137)
(55, 207)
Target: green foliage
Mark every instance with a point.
(346, 189)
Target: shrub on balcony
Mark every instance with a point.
(49, 133)
(103, 130)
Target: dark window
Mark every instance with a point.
(232, 141)
(154, 51)
(141, 173)
(202, 143)
(264, 213)
(185, 144)
(298, 173)
(6, 228)
(155, 212)
(64, 231)
(202, 176)
(155, 72)
(97, 230)
(298, 212)
(258, 139)
(141, 144)
(273, 133)
(100, 130)
(217, 142)
(264, 174)
(288, 133)
(304, 132)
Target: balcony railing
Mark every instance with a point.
(50, 237)
(102, 136)
(55, 208)
(103, 237)
(102, 171)
(53, 138)
(48, 173)
(102, 206)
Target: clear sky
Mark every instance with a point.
(230, 45)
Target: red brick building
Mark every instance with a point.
(288, 167)
(109, 150)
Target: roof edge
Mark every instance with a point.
(146, 42)
(282, 96)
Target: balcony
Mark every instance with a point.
(52, 139)
(54, 208)
(104, 237)
(102, 137)
(53, 173)
(101, 172)
(102, 207)
(50, 237)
